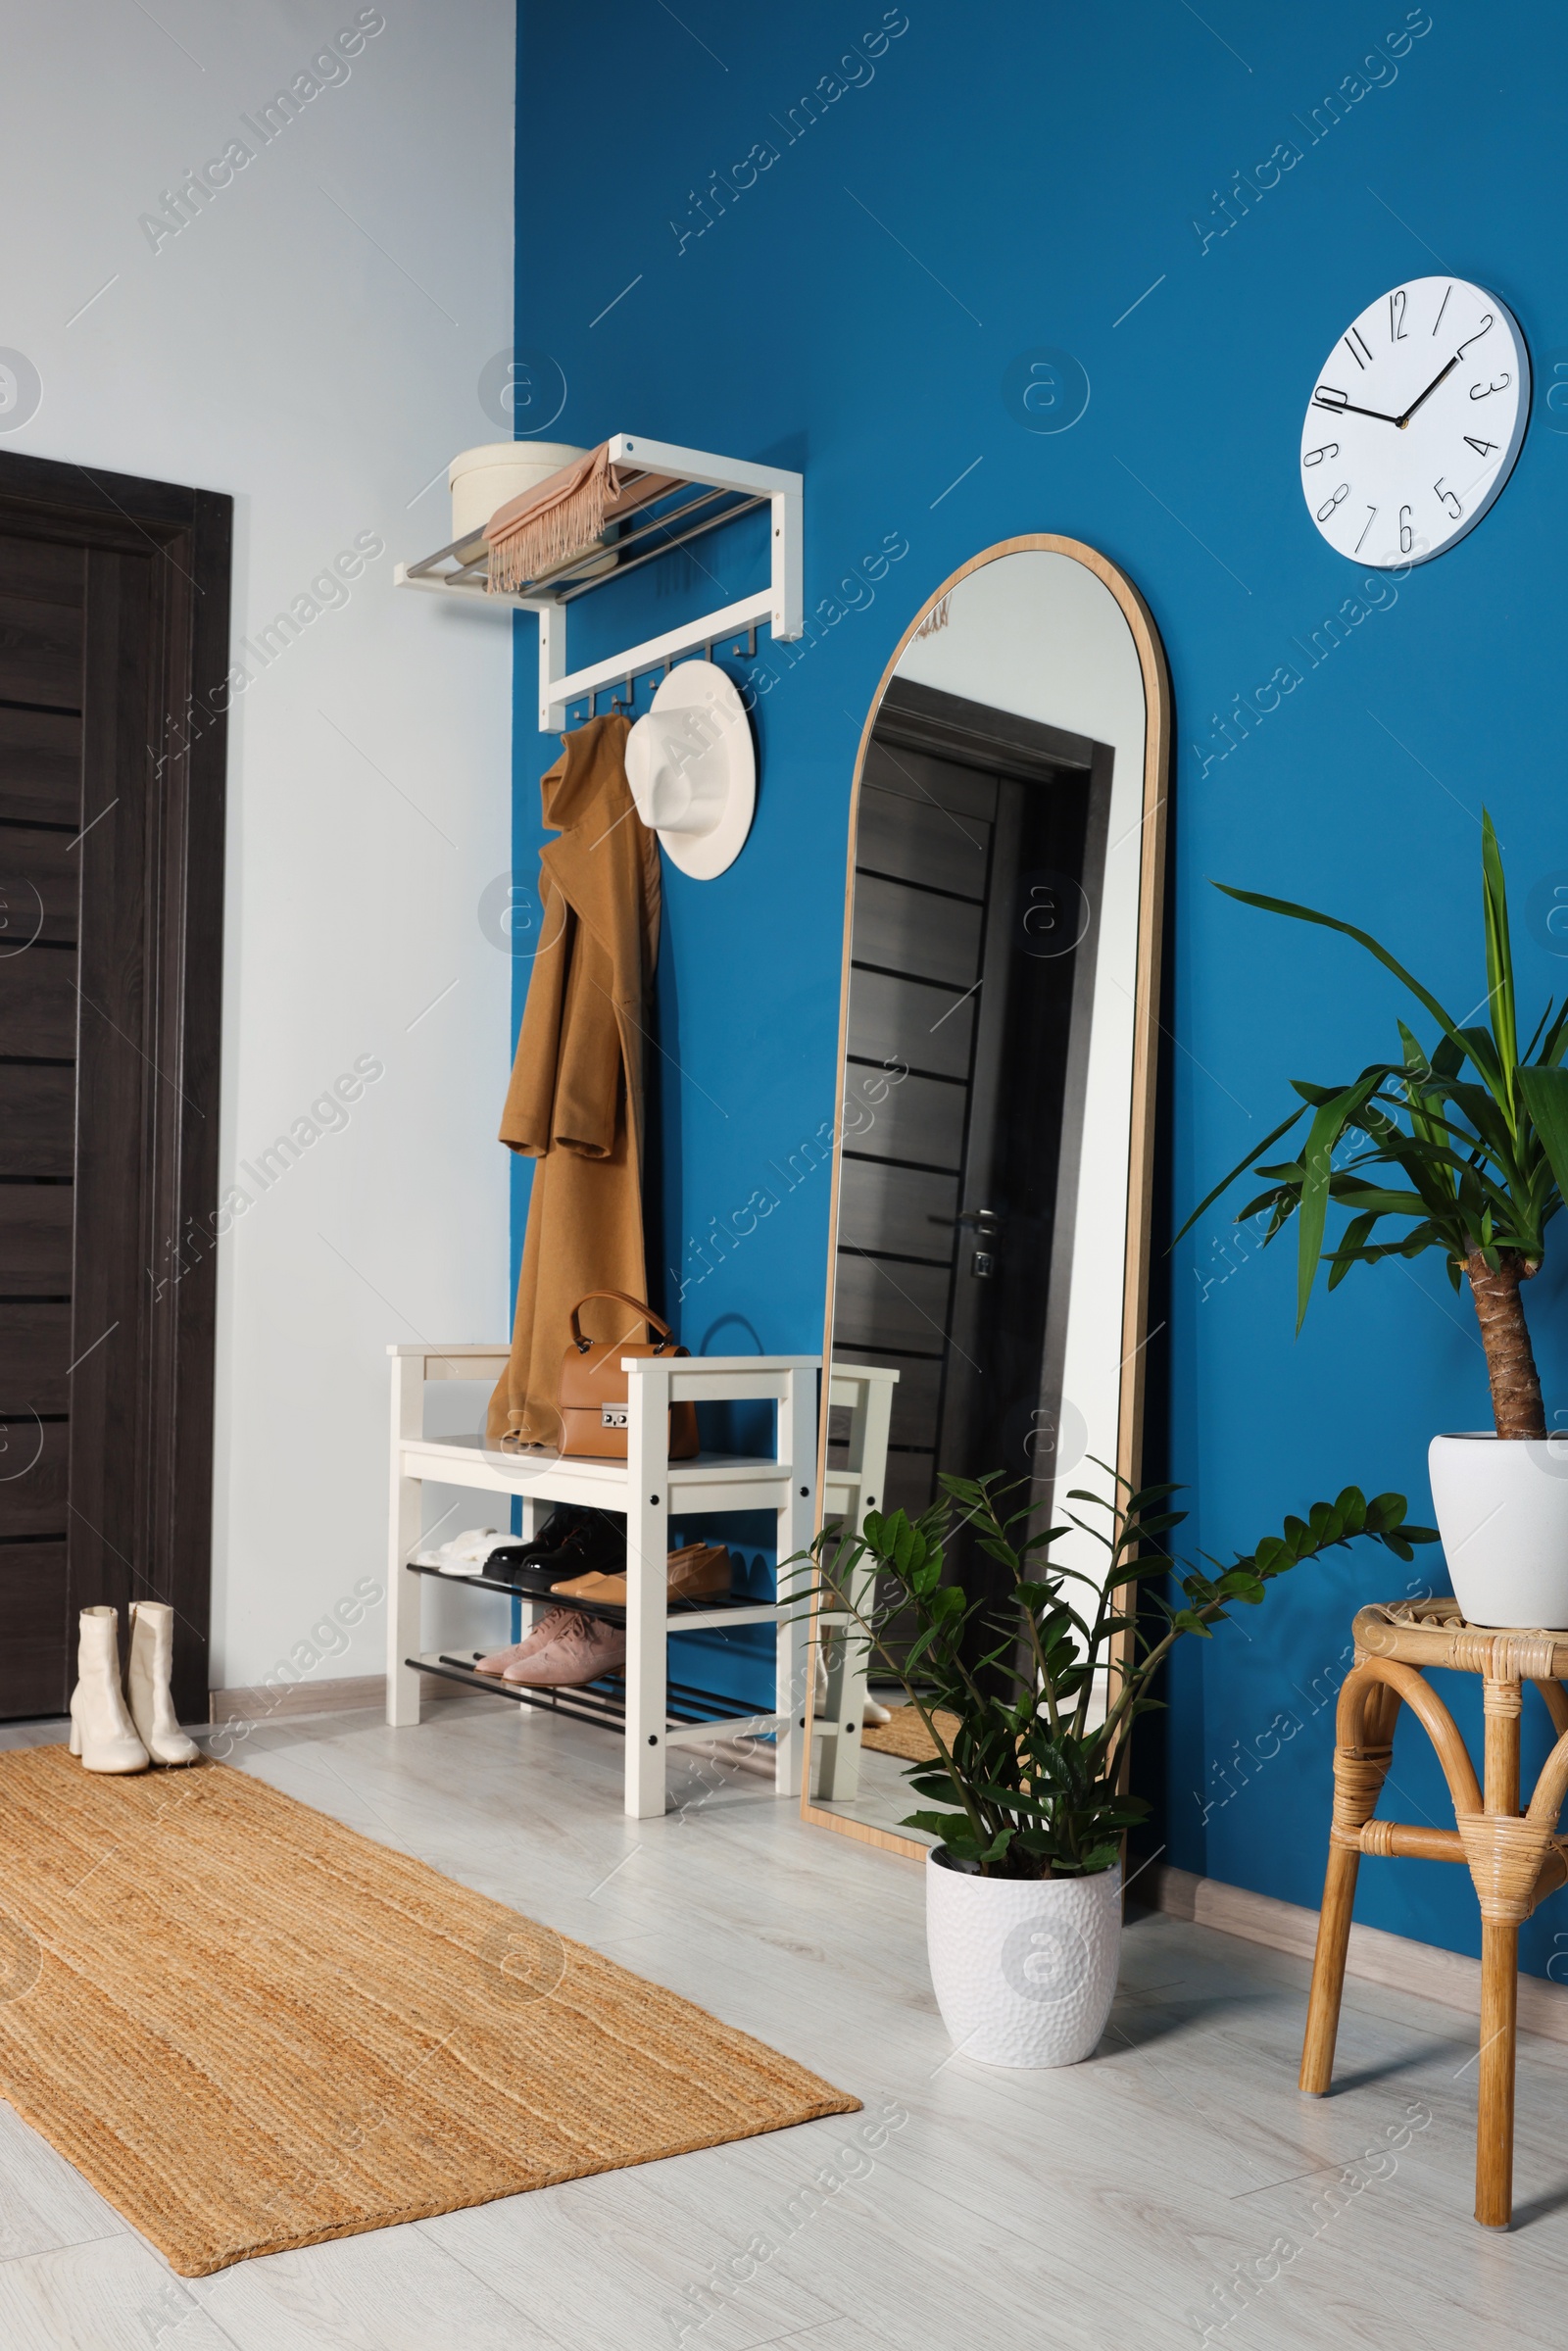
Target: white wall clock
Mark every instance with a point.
(1415, 421)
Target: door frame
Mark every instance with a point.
(165, 1552)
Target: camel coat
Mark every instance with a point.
(575, 1102)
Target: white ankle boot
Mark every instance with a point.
(102, 1733)
(152, 1707)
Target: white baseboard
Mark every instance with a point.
(1394, 1960)
(350, 1694)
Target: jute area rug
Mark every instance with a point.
(907, 1736)
(252, 2028)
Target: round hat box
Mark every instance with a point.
(481, 480)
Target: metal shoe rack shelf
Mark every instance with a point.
(604, 1700)
(653, 1713)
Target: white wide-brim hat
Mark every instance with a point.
(693, 771)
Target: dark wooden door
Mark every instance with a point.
(112, 604)
(979, 836)
(979, 854)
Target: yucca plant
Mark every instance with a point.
(1473, 1131)
(1031, 1779)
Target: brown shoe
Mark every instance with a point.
(543, 1634)
(584, 1648)
(700, 1572)
(590, 1587)
(706, 1577)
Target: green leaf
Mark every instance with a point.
(1326, 1129)
(948, 1827)
(1331, 922)
(1240, 1169)
(1555, 1042)
(1499, 956)
(1350, 1247)
(1545, 1092)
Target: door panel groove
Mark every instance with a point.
(892, 1159)
(963, 898)
(889, 1256)
(916, 979)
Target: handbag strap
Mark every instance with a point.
(644, 1312)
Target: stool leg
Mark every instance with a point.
(1499, 1997)
(1328, 1971)
(1499, 1975)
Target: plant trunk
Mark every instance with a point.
(1516, 1406)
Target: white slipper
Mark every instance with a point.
(874, 1714)
(466, 1554)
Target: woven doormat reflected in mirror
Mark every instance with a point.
(252, 2028)
(905, 1734)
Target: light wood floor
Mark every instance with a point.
(1176, 2183)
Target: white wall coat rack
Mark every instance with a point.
(724, 488)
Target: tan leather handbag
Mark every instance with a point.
(593, 1398)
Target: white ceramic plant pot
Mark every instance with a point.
(482, 479)
(1024, 1969)
(1501, 1505)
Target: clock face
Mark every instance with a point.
(1415, 421)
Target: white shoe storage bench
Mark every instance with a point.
(653, 1714)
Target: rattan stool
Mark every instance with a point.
(1514, 1860)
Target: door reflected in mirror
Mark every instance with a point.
(987, 1282)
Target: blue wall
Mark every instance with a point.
(988, 182)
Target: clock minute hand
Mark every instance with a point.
(1403, 421)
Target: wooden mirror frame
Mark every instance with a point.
(1141, 1141)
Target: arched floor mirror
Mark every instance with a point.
(987, 1288)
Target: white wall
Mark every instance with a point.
(310, 341)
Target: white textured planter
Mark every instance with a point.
(482, 479)
(1024, 1969)
(1501, 1505)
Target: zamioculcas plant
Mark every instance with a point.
(1463, 1145)
(1027, 1767)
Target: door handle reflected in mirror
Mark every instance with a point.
(985, 1220)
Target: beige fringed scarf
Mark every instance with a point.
(564, 519)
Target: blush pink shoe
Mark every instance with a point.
(584, 1648)
(543, 1634)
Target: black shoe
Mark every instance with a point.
(572, 1541)
(504, 1560)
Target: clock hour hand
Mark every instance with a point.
(1347, 408)
(1403, 421)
